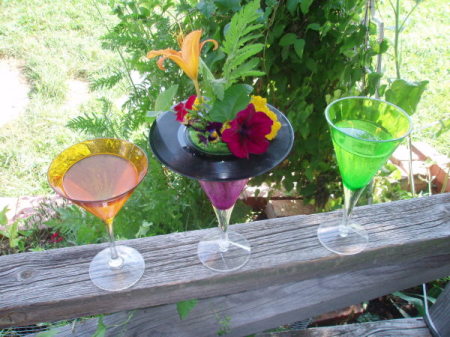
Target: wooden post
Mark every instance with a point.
(289, 276)
(438, 320)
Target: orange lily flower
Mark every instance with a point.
(188, 58)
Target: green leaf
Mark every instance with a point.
(288, 39)
(380, 47)
(213, 87)
(164, 100)
(207, 8)
(233, 5)
(218, 87)
(304, 6)
(299, 46)
(3, 218)
(313, 26)
(278, 30)
(311, 65)
(326, 28)
(285, 53)
(236, 98)
(406, 94)
(101, 328)
(384, 46)
(309, 173)
(417, 302)
(373, 79)
(292, 6)
(185, 307)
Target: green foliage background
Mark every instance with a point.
(313, 52)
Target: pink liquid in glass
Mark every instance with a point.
(223, 194)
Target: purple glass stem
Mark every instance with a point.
(223, 194)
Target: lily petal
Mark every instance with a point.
(175, 56)
(190, 52)
(216, 44)
(188, 58)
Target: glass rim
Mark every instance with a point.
(102, 200)
(403, 112)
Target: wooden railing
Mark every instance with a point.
(289, 277)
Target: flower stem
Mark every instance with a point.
(197, 89)
(396, 39)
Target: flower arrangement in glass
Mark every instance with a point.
(222, 135)
(226, 119)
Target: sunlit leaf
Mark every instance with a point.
(165, 98)
(406, 94)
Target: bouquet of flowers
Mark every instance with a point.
(223, 117)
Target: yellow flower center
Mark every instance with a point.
(225, 126)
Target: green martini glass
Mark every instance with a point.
(365, 131)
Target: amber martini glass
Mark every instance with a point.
(100, 175)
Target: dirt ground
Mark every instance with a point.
(13, 90)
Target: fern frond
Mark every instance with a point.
(97, 125)
(239, 26)
(246, 69)
(241, 31)
(251, 28)
(250, 38)
(136, 107)
(243, 54)
(92, 125)
(107, 82)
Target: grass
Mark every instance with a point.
(425, 55)
(58, 41)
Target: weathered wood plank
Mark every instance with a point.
(439, 322)
(408, 327)
(54, 285)
(261, 309)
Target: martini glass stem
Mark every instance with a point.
(350, 199)
(116, 261)
(223, 217)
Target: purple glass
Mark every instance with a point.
(223, 194)
(223, 250)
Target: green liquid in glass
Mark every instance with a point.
(360, 158)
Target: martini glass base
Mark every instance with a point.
(354, 242)
(224, 255)
(115, 279)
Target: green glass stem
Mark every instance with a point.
(350, 199)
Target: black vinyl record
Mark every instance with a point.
(169, 142)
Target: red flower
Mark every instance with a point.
(55, 238)
(182, 108)
(247, 132)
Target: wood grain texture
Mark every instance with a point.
(54, 285)
(439, 322)
(257, 310)
(407, 327)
